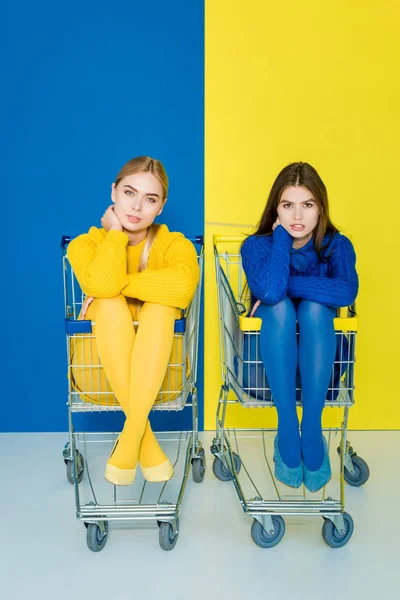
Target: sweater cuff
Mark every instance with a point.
(281, 236)
(119, 237)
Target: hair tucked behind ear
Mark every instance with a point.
(144, 259)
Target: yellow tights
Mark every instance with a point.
(135, 365)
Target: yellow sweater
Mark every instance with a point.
(106, 266)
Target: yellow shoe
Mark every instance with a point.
(159, 473)
(116, 475)
(119, 476)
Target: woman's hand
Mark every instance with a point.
(277, 222)
(253, 310)
(85, 306)
(110, 220)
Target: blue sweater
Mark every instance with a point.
(274, 269)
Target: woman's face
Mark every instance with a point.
(298, 213)
(138, 201)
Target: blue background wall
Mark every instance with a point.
(85, 88)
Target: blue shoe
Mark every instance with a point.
(315, 480)
(293, 477)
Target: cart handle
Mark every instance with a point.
(218, 239)
(197, 239)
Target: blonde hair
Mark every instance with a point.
(145, 164)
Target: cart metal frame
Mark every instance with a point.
(244, 382)
(93, 514)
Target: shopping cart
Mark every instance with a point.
(90, 393)
(245, 382)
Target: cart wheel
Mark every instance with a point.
(80, 467)
(166, 536)
(263, 538)
(198, 467)
(333, 537)
(360, 474)
(95, 539)
(221, 472)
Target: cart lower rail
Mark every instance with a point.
(161, 512)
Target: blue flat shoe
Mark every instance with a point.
(315, 480)
(293, 477)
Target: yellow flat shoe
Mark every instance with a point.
(119, 476)
(116, 475)
(159, 473)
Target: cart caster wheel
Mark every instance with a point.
(263, 538)
(80, 467)
(166, 536)
(221, 472)
(360, 474)
(335, 538)
(214, 449)
(95, 539)
(198, 467)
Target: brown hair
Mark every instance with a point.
(145, 164)
(299, 173)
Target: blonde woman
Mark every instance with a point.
(133, 269)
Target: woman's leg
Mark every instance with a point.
(317, 347)
(116, 341)
(148, 363)
(278, 345)
(115, 337)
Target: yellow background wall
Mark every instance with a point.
(317, 82)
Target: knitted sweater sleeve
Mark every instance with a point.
(339, 288)
(174, 284)
(266, 262)
(99, 262)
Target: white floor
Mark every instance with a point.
(44, 554)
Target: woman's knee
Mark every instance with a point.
(114, 299)
(310, 311)
(150, 310)
(282, 313)
(105, 305)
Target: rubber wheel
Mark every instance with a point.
(80, 463)
(333, 537)
(198, 467)
(94, 538)
(360, 474)
(263, 538)
(166, 536)
(221, 472)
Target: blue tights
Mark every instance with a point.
(314, 353)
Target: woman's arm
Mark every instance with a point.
(266, 263)
(339, 288)
(174, 284)
(99, 262)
